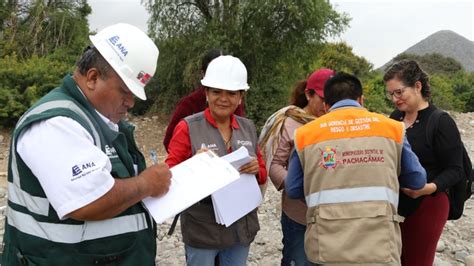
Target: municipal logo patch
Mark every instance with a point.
(329, 158)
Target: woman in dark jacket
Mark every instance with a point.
(426, 210)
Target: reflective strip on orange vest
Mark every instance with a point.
(346, 195)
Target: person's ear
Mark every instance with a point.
(326, 107)
(418, 86)
(92, 76)
(360, 100)
(242, 93)
(206, 92)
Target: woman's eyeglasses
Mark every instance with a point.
(397, 93)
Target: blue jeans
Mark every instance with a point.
(235, 255)
(293, 242)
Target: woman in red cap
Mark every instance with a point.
(276, 142)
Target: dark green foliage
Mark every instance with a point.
(276, 40)
(442, 94)
(449, 93)
(339, 56)
(374, 95)
(39, 43)
(24, 82)
(39, 27)
(434, 63)
(463, 88)
(451, 87)
(280, 42)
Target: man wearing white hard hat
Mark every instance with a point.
(217, 128)
(76, 176)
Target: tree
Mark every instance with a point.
(23, 82)
(39, 41)
(275, 39)
(442, 94)
(40, 27)
(340, 57)
(452, 88)
(463, 88)
(434, 63)
(374, 94)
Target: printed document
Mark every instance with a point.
(191, 181)
(237, 199)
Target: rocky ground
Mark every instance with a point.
(455, 248)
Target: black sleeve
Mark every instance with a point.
(396, 115)
(448, 152)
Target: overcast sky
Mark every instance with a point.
(378, 31)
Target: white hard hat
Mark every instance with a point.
(226, 72)
(130, 52)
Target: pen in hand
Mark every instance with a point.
(154, 157)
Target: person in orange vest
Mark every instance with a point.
(349, 166)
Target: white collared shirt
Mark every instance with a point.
(109, 123)
(72, 171)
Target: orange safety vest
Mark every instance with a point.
(351, 161)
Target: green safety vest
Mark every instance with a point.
(34, 234)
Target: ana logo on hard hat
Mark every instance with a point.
(130, 52)
(118, 48)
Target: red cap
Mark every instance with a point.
(317, 80)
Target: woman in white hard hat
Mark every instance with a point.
(218, 129)
(194, 102)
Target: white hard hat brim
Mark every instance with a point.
(226, 87)
(135, 88)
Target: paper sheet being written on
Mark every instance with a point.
(192, 180)
(240, 197)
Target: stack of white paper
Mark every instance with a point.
(192, 180)
(243, 195)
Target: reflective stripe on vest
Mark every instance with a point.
(352, 195)
(75, 233)
(34, 204)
